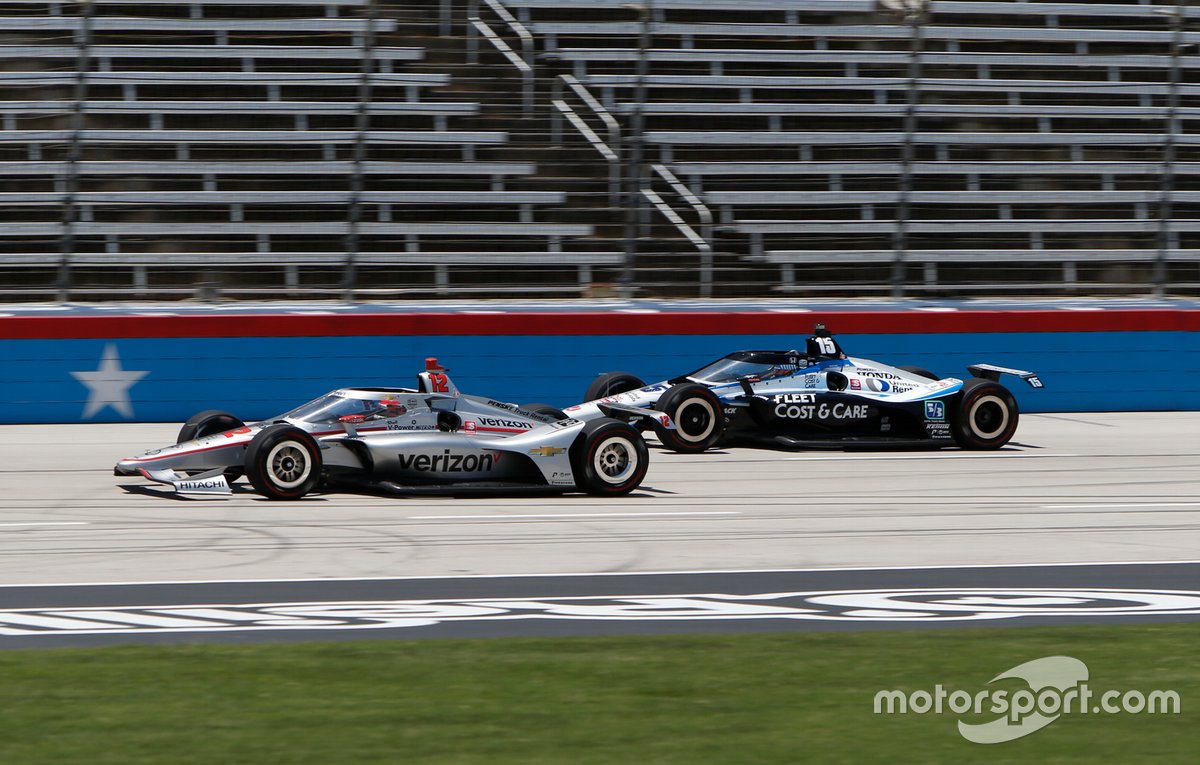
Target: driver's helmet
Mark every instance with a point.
(773, 372)
(392, 407)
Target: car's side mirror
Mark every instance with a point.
(349, 421)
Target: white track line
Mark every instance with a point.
(568, 516)
(1120, 505)
(47, 523)
(949, 456)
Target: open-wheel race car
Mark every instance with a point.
(400, 440)
(818, 397)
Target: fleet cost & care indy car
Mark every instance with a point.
(401, 440)
(817, 398)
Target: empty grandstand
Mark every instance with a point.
(359, 149)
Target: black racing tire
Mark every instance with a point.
(984, 415)
(283, 462)
(698, 416)
(547, 410)
(207, 423)
(609, 458)
(611, 384)
(921, 372)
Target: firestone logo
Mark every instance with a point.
(935, 410)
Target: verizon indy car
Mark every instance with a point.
(816, 398)
(400, 440)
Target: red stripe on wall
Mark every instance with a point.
(597, 323)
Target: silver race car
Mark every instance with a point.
(400, 440)
(818, 397)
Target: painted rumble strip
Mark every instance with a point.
(884, 605)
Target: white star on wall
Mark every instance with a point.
(109, 385)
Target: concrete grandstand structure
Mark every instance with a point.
(679, 147)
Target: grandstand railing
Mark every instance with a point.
(567, 87)
(701, 235)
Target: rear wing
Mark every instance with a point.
(993, 372)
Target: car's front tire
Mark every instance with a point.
(984, 415)
(612, 384)
(698, 416)
(283, 462)
(546, 410)
(609, 458)
(207, 423)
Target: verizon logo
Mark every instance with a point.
(450, 463)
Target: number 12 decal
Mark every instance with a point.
(439, 382)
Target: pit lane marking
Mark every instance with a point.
(569, 515)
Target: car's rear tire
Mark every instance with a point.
(207, 423)
(921, 372)
(984, 415)
(698, 416)
(547, 410)
(283, 462)
(609, 458)
(611, 384)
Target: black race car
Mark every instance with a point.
(816, 397)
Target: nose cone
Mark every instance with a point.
(127, 466)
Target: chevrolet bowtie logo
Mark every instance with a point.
(546, 451)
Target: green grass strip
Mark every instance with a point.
(742, 699)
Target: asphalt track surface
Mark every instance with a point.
(824, 540)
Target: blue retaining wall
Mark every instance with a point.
(260, 377)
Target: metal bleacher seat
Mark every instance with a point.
(273, 82)
(228, 138)
(847, 59)
(697, 172)
(246, 54)
(1069, 261)
(329, 4)
(776, 6)
(1052, 10)
(794, 141)
(496, 171)
(155, 111)
(1040, 127)
(1080, 38)
(218, 27)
